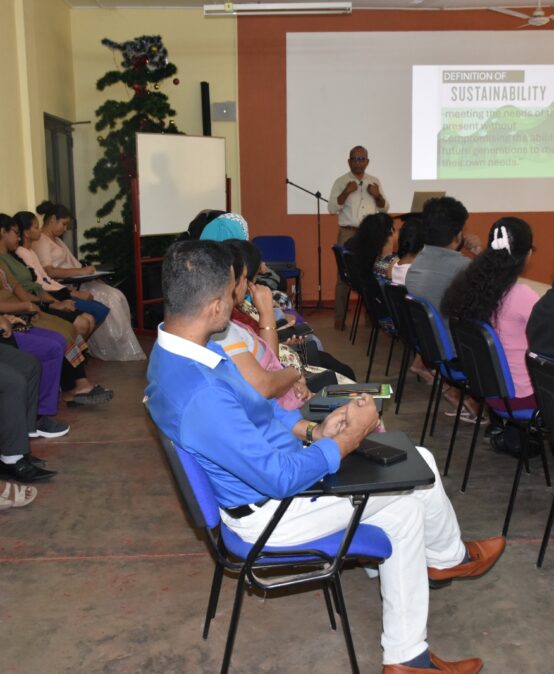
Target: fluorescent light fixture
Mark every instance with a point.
(277, 8)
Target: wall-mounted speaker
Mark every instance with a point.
(206, 115)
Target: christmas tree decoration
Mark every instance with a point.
(144, 63)
(176, 81)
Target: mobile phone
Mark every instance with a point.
(381, 454)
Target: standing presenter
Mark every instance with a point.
(353, 196)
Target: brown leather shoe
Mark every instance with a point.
(483, 555)
(470, 666)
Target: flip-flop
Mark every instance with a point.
(465, 415)
(96, 396)
(22, 496)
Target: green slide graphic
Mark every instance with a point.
(507, 142)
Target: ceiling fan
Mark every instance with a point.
(536, 19)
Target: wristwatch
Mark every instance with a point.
(310, 430)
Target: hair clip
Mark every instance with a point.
(501, 240)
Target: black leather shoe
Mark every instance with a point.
(25, 471)
(39, 463)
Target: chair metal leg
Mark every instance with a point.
(515, 486)
(436, 410)
(214, 596)
(402, 377)
(454, 431)
(356, 320)
(429, 406)
(373, 344)
(329, 605)
(233, 625)
(345, 624)
(393, 340)
(545, 464)
(472, 448)
(546, 536)
(346, 308)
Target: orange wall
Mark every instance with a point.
(262, 114)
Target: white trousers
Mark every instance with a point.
(422, 528)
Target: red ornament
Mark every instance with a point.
(139, 89)
(176, 81)
(140, 62)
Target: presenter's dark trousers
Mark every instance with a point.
(19, 387)
(341, 289)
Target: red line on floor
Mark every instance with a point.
(103, 558)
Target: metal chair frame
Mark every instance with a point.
(324, 562)
(484, 361)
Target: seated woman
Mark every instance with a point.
(410, 243)
(29, 232)
(253, 356)
(114, 339)
(487, 290)
(258, 315)
(56, 333)
(64, 309)
(373, 246)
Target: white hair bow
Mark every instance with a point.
(500, 240)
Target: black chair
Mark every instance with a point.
(279, 253)
(434, 345)
(484, 361)
(317, 562)
(395, 295)
(338, 252)
(355, 285)
(541, 371)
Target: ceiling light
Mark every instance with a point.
(277, 8)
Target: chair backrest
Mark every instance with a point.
(433, 341)
(352, 271)
(338, 252)
(193, 484)
(276, 248)
(395, 295)
(541, 371)
(483, 359)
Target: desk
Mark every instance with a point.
(358, 475)
(84, 278)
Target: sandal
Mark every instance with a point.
(465, 415)
(96, 396)
(22, 496)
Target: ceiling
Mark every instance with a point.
(357, 4)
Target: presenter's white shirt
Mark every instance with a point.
(358, 204)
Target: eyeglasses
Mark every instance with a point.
(358, 159)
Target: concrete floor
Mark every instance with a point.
(104, 574)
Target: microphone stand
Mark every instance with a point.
(319, 199)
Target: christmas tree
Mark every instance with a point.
(143, 67)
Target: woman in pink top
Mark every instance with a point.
(114, 339)
(488, 290)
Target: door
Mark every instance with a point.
(58, 135)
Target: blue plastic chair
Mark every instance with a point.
(323, 557)
(279, 253)
(484, 361)
(433, 343)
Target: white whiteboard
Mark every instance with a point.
(178, 176)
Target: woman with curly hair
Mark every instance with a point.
(488, 290)
(373, 246)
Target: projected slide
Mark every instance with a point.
(492, 121)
